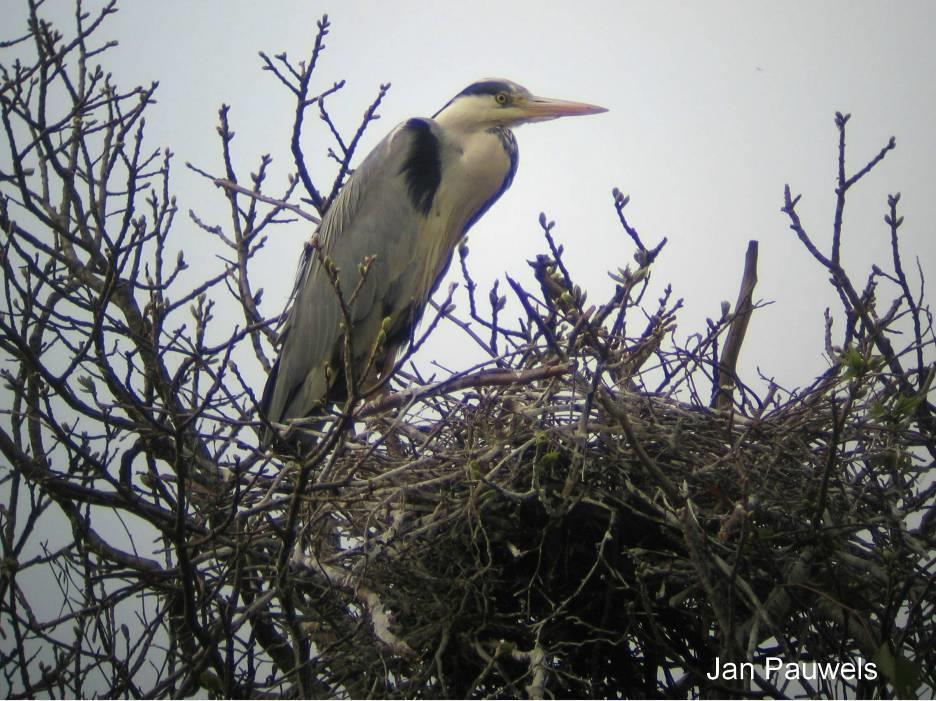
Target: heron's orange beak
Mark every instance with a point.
(539, 109)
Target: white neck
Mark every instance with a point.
(469, 113)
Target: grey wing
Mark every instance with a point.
(378, 213)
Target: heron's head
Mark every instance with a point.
(496, 102)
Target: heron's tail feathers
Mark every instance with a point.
(284, 401)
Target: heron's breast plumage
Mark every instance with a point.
(475, 171)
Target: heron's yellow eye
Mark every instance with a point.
(501, 98)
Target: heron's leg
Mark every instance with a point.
(378, 376)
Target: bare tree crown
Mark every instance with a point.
(595, 510)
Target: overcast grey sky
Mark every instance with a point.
(713, 107)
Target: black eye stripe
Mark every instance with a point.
(492, 88)
(487, 87)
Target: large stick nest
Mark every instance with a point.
(578, 521)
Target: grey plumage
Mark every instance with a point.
(354, 228)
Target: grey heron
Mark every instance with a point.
(404, 209)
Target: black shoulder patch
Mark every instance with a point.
(422, 166)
